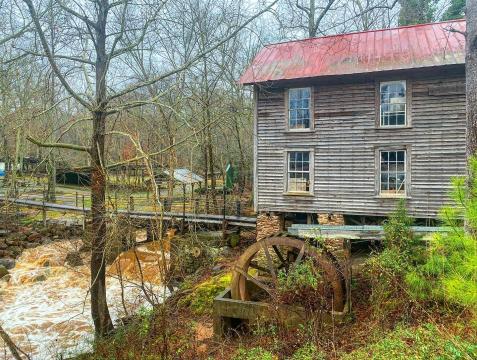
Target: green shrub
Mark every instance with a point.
(398, 233)
(387, 270)
(309, 351)
(303, 275)
(303, 285)
(424, 342)
(449, 272)
(256, 353)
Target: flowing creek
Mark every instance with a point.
(45, 307)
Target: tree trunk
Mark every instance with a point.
(171, 164)
(51, 170)
(471, 78)
(213, 181)
(99, 307)
(206, 179)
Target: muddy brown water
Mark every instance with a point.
(45, 304)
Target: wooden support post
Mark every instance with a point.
(84, 215)
(196, 206)
(224, 198)
(43, 207)
(76, 199)
(224, 221)
(131, 203)
(183, 208)
(348, 272)
(237, 208)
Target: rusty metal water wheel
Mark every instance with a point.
(262, 261)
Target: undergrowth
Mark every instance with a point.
(449, 273)
(421, 343)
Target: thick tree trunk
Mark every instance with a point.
(99, 307)
(471, 77)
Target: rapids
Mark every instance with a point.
(45, 308)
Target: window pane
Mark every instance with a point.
(384, 182)
(393, 103)
(299, 171)
(299, 108)
(393, 171)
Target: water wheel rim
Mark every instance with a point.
(326, 262)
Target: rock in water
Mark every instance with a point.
(7, 263)
(3, 271)
(74, 259)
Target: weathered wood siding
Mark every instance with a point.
(345, 139)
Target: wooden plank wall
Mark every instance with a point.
(345, 141)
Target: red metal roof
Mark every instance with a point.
(407, 47)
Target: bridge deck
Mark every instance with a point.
(243, 221)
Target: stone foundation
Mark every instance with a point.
(269, 224)
(331, 219)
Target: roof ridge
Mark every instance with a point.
(366, 31)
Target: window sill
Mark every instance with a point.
(299, 131)
(298, 193)
(400, 127)
(392, 196)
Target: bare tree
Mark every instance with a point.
(104, 31)
(311, 18)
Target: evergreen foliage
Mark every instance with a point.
(455, 10)
(449, 272)
(417, 12)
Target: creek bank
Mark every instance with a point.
(19, 238)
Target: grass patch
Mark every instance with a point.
(424, 342)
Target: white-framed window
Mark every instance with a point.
(392, 172)
(299, 171)
(299, 108)
(392, 109)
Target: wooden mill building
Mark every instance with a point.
(346, 125)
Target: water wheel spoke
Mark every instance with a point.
(299, 257)
(279, 254)
(253, 279)
(254, 265)
(269, 261)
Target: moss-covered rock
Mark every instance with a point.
(201, 299)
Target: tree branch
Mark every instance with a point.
(50, 57)
(15, 350)
(58, 145)
(78, 15)
(16, 34)
(56, 56)
(187, 64)
(454, 30)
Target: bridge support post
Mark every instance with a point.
(43, 208)
(183, 208)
